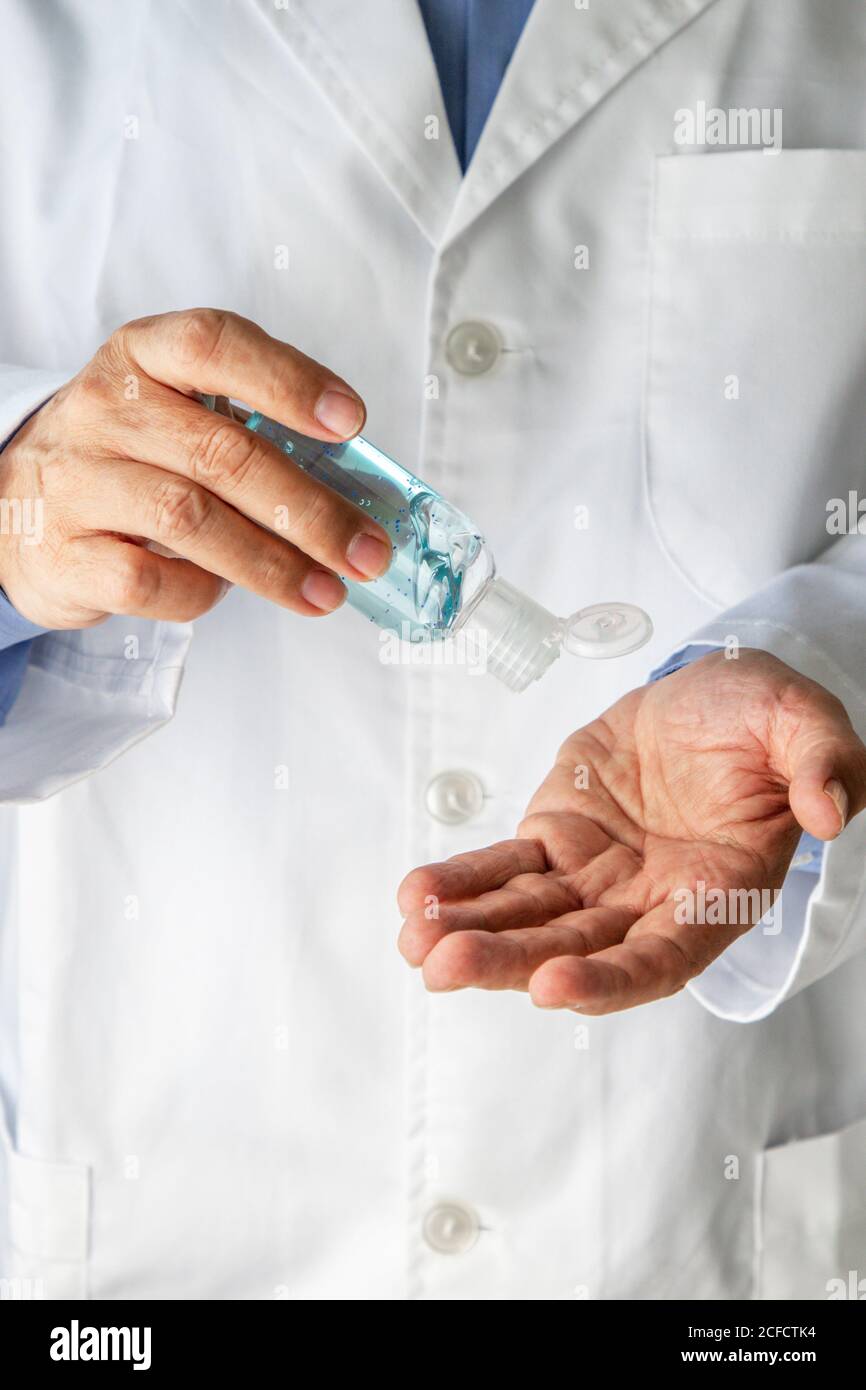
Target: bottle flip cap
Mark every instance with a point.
(520, 639)
(606, 629)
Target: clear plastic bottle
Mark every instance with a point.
(443, 580)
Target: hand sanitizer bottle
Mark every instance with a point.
(442, 580)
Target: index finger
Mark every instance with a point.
(219, 353)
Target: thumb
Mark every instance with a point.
(827, 770)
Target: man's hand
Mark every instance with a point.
(708, 775)
(124, 455)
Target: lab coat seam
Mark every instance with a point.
(412, 190)
(416, 1002)
(572, 105)
(758, 1225)
(656, 237)
(771, 237)
(763, 1000)
(567, 101)
(847, 923)
(485, 181)
(652, 514)
(434, 415)
(109, 674)
(775, 1202)
(123, 154)
(47, 788)
(416, 1130)
(165, 673)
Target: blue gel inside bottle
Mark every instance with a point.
(440, 562)
(442, 579)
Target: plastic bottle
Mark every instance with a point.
(443, 581)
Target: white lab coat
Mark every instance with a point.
(219, 1078)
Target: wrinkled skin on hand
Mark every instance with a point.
(709, 775)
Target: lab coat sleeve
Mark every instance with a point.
(813, 617)
(86, 696)
(16, 634)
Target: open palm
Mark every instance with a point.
(691, 790)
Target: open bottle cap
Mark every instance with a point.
(519, 639)
(606, 629)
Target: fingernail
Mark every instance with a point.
(339, 412)
(323, 590)
(839, 798)
(368, 555)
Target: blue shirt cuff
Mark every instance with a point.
(14, 627)
(16, 635)
(13, 665)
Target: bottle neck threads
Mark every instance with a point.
(517, 638)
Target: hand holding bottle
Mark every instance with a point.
(125, 454)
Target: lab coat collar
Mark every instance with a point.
(374, 64)
(566, 62)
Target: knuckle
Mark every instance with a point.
(466, 953)
(115, 351)
(118, 343)
(200, 335)
(683, 967)
(225, 455)
(132, 583)
(301, 387)
(55, 477)
(317, 514)
(417, 887)
(278, 577)
(89, 396)
(180, 511)
(836, 709)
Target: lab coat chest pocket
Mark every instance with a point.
(811, 1218)
(755, 393)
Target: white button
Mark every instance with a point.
(473, 348)
(451, 1228)
(454, 797)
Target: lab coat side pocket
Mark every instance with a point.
(48, 1223)
(754, 408)
(810, 1218)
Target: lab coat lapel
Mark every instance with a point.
(566, 61)
(373, 63)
